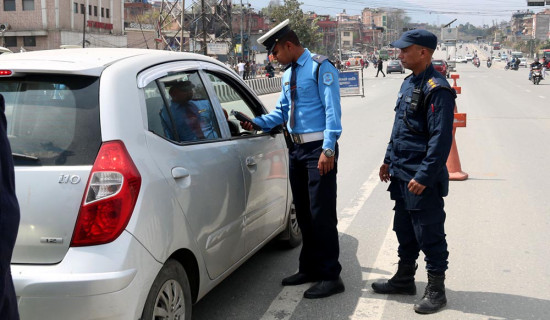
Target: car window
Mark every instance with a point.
(52, 120)
(233, 99)
(179, 109)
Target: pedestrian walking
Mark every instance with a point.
(415, 165)
(253, 69)
(312, 117)
(9, 222)
(380, 66)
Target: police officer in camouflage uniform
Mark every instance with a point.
(415, 163)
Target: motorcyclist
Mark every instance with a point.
(535, 65)
(489, 62)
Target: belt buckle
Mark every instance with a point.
(296, 138)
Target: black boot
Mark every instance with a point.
(401, 283)
(434, 297)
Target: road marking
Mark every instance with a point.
(371, 305)
(285, 303)
(542, 97)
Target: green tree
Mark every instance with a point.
(306, 29)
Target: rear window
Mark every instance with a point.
(394, 63)
(52, 120)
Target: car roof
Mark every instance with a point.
(86, 61)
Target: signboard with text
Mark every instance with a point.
(350, 83)
(217, 48)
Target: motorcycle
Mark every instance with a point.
(489, 64)
(536, 75)
(476, 63)
(512, 66)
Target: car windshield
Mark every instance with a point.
(52, 120)
(437, 62)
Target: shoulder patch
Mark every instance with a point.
(433, 83)
(328, 78)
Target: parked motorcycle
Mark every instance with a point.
(536, 75)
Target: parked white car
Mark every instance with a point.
(460, 59)
(138, 193)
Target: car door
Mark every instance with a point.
(203, 170)
(263, 159)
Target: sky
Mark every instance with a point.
(476, 12)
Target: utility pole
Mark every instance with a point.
(242, 16)
(203, 14)
(84, 28)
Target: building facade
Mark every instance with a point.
(49, 24)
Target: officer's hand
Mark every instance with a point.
(384, 172)
(416, 187)
(247, 125)
(325, 164)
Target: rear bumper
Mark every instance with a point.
(100, 282)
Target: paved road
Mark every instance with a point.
(498, 221)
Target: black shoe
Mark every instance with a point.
(297, 279)
(401, 283)
(325, 288)
(434, 297)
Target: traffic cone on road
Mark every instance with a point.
(453, 161)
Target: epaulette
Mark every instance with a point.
(433, 83)
(320, 59)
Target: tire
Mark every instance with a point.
(170, 294)
(293, 232)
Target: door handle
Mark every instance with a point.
(179, 172)
(250, 161)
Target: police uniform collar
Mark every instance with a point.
(303, 58)
(424, 74)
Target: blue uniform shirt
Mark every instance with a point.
(317, 105)
(420, 150)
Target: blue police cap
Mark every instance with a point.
(269, 40)
(420, 37)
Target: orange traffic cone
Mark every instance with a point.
(453, 161)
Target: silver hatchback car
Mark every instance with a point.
(139, 191)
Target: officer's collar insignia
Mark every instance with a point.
(328, 78)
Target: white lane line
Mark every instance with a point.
(370, 305)
(285, 303)
(542, 97)
(348, 214)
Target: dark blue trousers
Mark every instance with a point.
(421, 229)
(315, 202)
(9, 222)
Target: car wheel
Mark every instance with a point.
(170, 294)
(293, 234)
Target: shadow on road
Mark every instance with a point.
(248, 293)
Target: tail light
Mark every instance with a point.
(110, 197)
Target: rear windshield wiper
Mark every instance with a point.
(24, 156)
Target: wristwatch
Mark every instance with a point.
(329, 153)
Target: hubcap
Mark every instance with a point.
(170, 303)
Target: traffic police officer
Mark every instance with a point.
(309, 108)
(9, 222)
(415, 163)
